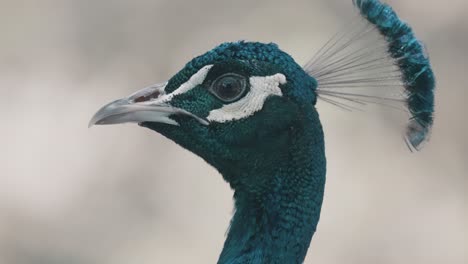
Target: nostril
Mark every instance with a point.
(147, 94)
(146, 97)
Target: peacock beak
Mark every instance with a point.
(150, 104)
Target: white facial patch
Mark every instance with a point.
(196, 79)
(260, 89)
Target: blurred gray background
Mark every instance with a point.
(124, 194)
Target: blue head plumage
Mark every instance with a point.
(263, 59)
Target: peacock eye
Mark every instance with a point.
(229, 87)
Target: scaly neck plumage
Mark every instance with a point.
(276, 224)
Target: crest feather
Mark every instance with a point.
(380, 52)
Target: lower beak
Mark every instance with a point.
(146, 105)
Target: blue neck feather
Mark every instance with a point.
(276, 226)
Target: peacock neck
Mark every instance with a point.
(275, 222)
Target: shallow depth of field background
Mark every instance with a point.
(124, 194)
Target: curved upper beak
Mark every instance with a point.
(150, 104)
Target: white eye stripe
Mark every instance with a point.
(196, 79)
(260, 89)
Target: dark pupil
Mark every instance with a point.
(229, 87)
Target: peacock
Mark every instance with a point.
(249, 110)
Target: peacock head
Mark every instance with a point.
(248, 109)
(229, 106)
